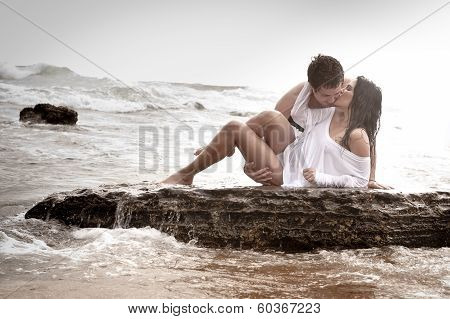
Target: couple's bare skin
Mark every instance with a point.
(259, 140)
(234, 134)
(285, 105)
(277, 133)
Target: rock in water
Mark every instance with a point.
(261, 218)
(50, 114)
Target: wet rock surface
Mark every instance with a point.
(260, 218)
(49, 114)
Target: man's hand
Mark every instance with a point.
(262, 176)
(310, 175)
(376, 185)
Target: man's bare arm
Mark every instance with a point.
(286, 103)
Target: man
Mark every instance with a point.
(326, 79)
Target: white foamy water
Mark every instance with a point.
(137, 256)
(107, 146)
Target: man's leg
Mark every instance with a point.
(234, 134)
(274, 128)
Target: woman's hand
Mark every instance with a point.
(375, 185)
(310, 175)
(262, 176)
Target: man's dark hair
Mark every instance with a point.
(325, 71)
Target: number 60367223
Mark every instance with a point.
(291, 307)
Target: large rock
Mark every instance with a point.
(50, 114)
(261, 217)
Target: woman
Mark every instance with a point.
(334, 150)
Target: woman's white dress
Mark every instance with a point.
(314, 148)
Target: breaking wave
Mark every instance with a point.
(11, 72)
(43, 83)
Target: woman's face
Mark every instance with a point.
(346, 95)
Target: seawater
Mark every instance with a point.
(144, 131)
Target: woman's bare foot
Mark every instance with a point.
(179, 178)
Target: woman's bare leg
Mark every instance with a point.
(234, 134)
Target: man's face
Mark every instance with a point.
(327, 96)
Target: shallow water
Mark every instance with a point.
(50, 260)
(122, 137)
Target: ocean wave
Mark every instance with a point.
(12, 246)
(203, 87)
(11, 72)
(92, 244)
(43, 83)
(24, 96)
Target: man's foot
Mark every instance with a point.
(179, 178)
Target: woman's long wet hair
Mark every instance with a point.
(365, 112)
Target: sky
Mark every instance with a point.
(265, 44)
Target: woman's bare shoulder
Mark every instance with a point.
(359, 142)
